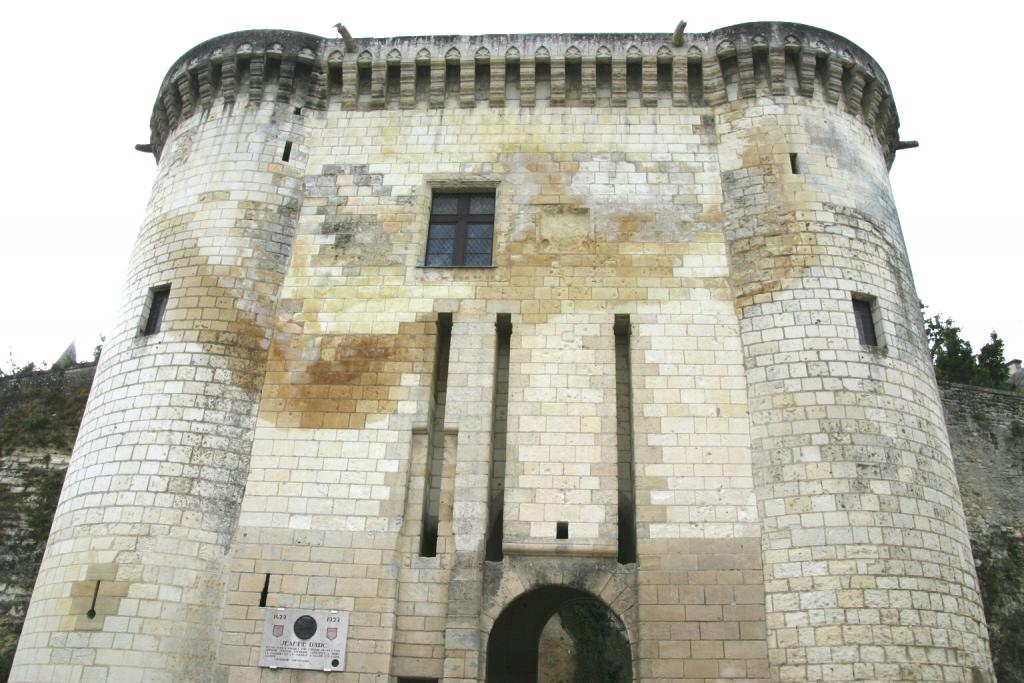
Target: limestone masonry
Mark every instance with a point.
(487, 342)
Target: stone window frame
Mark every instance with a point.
(154, 312)
(866, 320)
(464, 184)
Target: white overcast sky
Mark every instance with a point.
(81, 78)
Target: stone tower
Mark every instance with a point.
(437, 339)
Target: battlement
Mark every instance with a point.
(746, 61)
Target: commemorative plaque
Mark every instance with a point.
(304, 639)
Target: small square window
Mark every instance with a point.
(461, 230)
(864, 317)
(157, 305)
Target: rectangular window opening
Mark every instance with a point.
(624, 441)
(731, 77)
(334, 80)
(156, 306)
(665, 80)
(821, 72)
(215, 76)
(542, 78)
(792, 67)
(452, 76)
(392, 84)
(482, 81)
(695, 81)
(302, 75)
(266, 589)
(287, 154)
(762, 77)
(634, 78)
(794, 164)
(364, 76)
(863, 314)
(461, 230)
(603, 76)
(499, 439)
(271, 69)
(422, 87)
(511, 81)
(573, 80)
(435, 441)
(562, 530)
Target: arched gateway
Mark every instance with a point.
(558, 634)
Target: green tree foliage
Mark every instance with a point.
(992, 365)
(955, 360)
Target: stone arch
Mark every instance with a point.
(517, 654)
(606, 580)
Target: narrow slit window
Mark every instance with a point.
(731, 77)
(512, 80)
(665, 80)
(542, 78)
(266, 589)
(499, 439)
(624, 441)
(364, 77)
(573, 80)
(634, 78)
(334, 80)
(864, 318)
(452, 76)
(157, 306)
(482, 81)
(561, 530)
(408, 679)
(287, 154)
(792, 67)
(603, 75)
(393, 84)
(794, 164)
(435, 442)
(422, 86)
(762, 74)
(695, 81)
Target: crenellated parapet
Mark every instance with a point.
(746, 61)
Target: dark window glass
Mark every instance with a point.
(158, 297)
(461, 230)
(865, 322)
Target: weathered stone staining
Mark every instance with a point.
(287, 439)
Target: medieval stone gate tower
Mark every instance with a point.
(442, 334)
